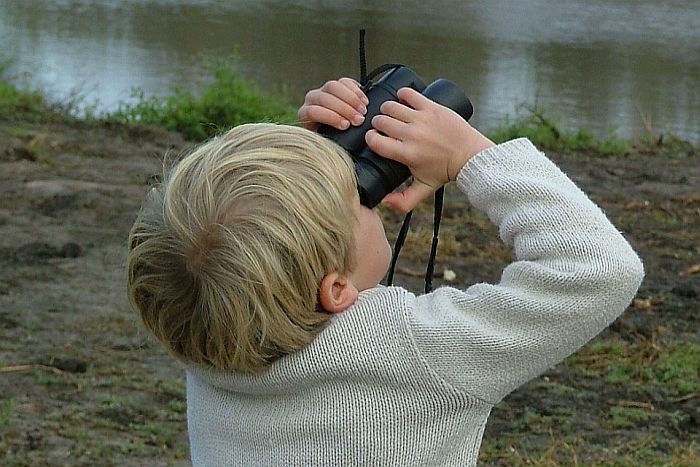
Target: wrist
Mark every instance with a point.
(473, 143)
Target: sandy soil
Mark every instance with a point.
(80, 383)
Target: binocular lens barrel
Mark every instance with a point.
(353, 139)
(376, 175)
(447, 93)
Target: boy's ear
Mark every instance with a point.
(336, 293)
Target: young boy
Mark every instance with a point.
(255, 264)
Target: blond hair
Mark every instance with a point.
(227, 254)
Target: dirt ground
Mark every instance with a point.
(81, 384)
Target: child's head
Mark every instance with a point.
(227, 254)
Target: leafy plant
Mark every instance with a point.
(546, 133)
(17, 99)
(225, 101)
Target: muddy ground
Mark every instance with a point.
(81, 384)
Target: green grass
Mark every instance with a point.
(629, 417)
(679, 369)
(573, 450)
(227, 100)
(7, 408)
(673, 368)
(157, 433)
(17, 98)
(547, 133)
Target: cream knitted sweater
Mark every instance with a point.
(399, 379)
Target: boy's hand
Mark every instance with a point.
(433, 141)
(337, 103)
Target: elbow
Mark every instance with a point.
(626, 273)
(637, 271)
(635, 274)
(633, 269)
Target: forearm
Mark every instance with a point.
(573, 274)
(539, 211)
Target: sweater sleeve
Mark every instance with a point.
(573, 275)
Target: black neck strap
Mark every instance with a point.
(437, 217)
(439, 194)
(363, 61)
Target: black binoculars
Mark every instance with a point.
(376, 175)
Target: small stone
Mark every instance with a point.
(71, 250)
(69, 364)
(449, 275)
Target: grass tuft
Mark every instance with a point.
(227, 100)
(546, 133)
(7, 408)
(672, 368)
(17, 98)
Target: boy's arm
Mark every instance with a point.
(574, 273)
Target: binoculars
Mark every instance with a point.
(376, 175)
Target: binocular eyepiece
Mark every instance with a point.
(376, 175)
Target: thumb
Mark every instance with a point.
(408, 199)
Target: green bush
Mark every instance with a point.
(545, 133)
(16, 99)
(227, 100)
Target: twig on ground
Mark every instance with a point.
(16, 368)
(687, 397)
(634, 404)
(409, 272)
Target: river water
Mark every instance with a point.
(622, 64)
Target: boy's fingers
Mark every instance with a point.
(350, 82)
(343, 92)
(311, 115)
(413, 98)
(305, 120)
(318, 98)
(398, 111)
(385, 146)
(390, 126)
(408, 199)
(355, 87)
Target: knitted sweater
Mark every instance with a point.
(399, 379)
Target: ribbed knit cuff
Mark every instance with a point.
(509, 153)
(515, 157)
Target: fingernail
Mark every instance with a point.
(362, 109)
(358, 119)
(364, 100)
(344, 125)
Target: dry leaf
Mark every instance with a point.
(642, 303)
(694, 269)
(636, 205)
